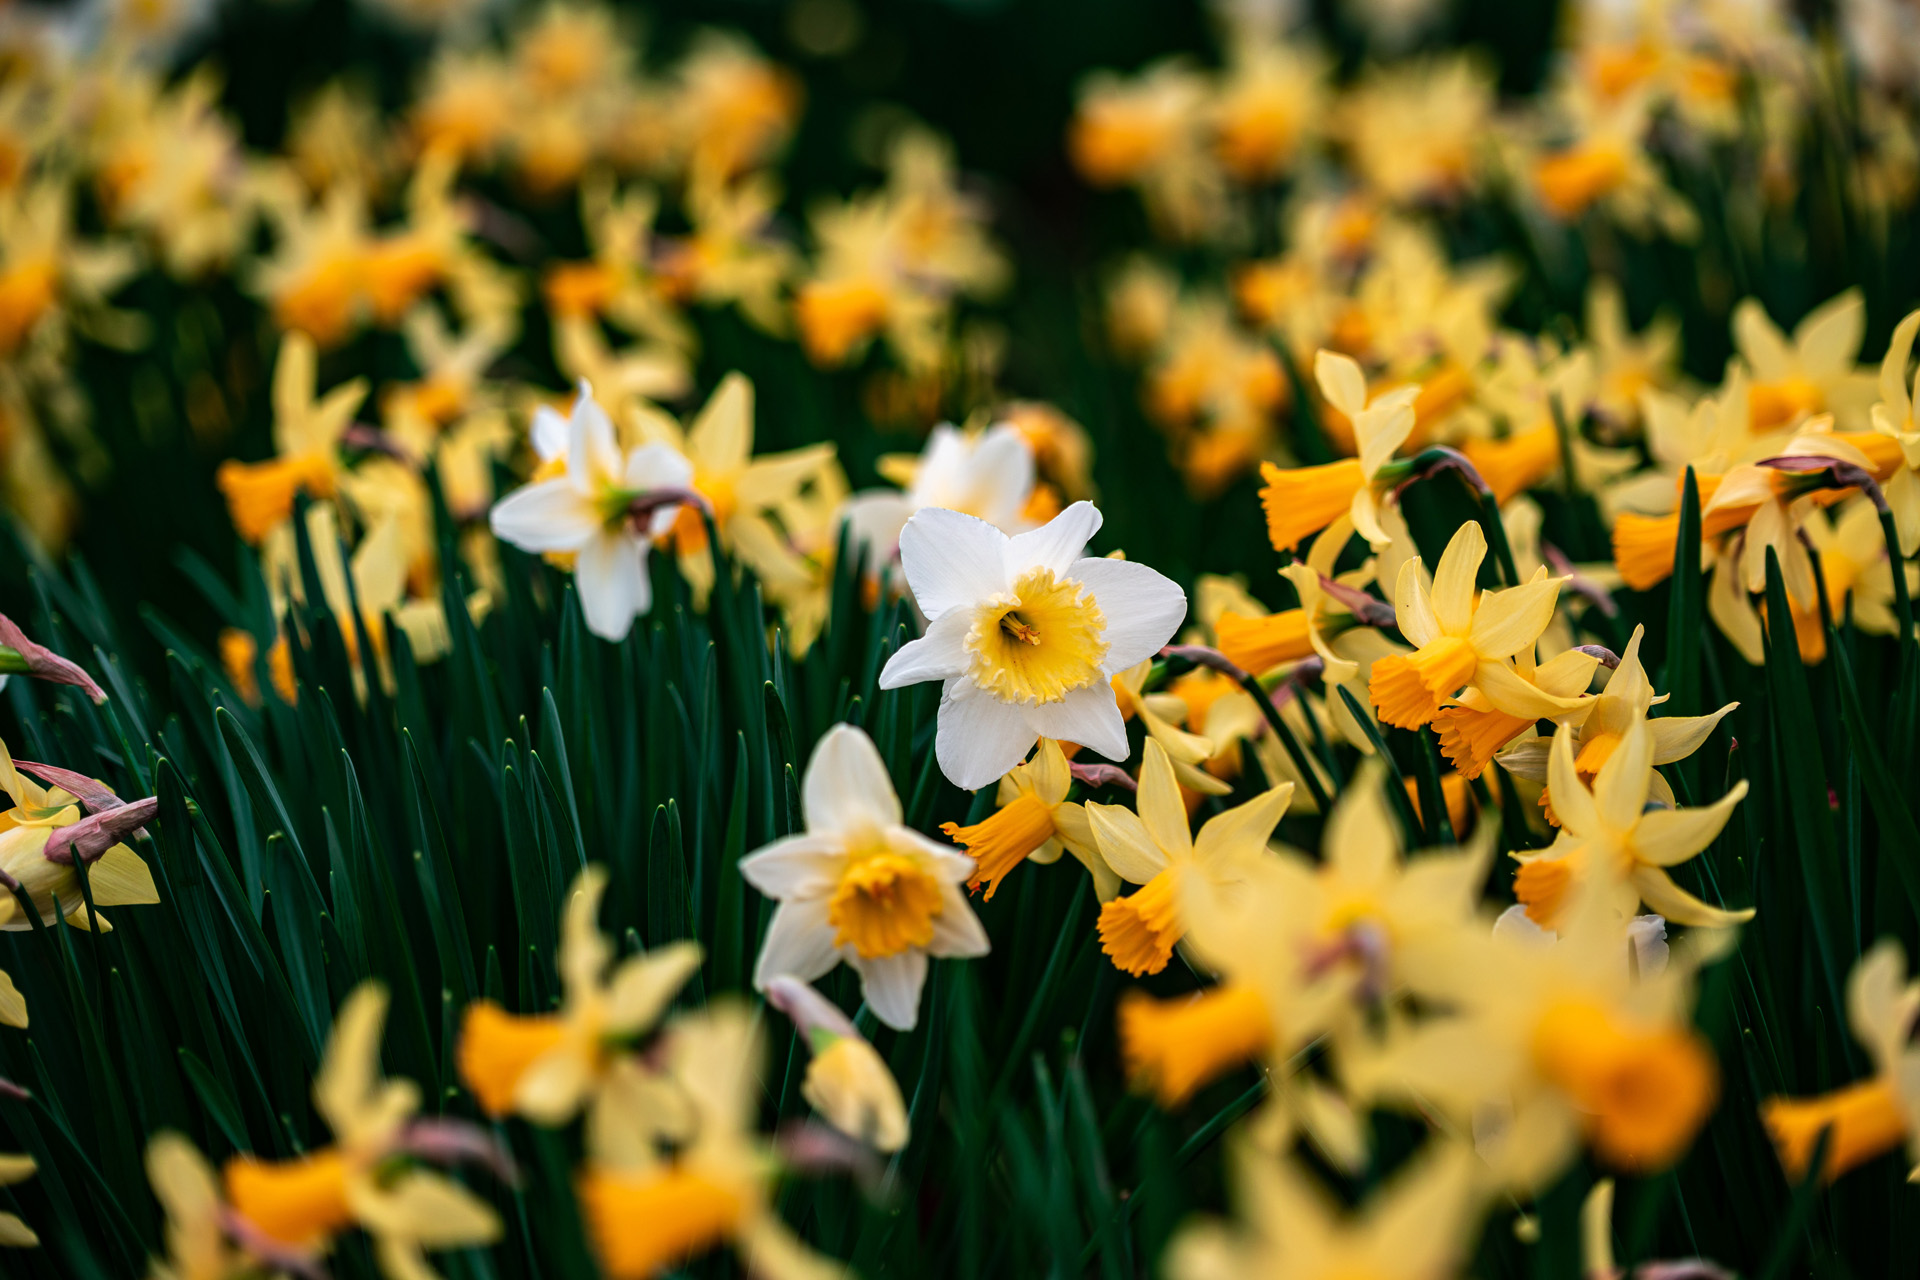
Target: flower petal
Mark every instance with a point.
(799, 941)
(1142, 606)
(1124, 843)
(795, 867)
(1661, 894)
(980, 737)
(1665, 837)
(1620, 789)
(549, 516)
(952, 560)
(1571, 799)
(1089, 715)
(1056, 544)
(957, 932)
(610, 577)
(891, 986)
(940, 654)
(1454, 579)
(847, 787)
(1508, 621)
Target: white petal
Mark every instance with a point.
(657, 466)
(549, 516)
(957, 932)
(999, 475)
(847, 787)
(796, 867)
(891, 986)
(799, 941)
(951, 560)
(1142, 606)
(941, 654)
(548, 434)
(593, 453)
(1089, 716)
(611, 578)
(980, 737)
(1056, 544)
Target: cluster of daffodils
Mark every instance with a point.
(1373, 175)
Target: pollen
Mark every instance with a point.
(496, 1048)
(1645, 1092)
(1004, 840)
(1407, 689)
(1040, 643)
(1172, 1047)
(641, 1225)
(1866, 1119)
(1302, 501)
(1139, 930)
(1260, 644)
(886, 903)
(296, 1202)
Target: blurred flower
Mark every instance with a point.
(307, 434)
(847, 1082)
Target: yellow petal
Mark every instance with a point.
(1508, 621)
(13, 1005)
(1124, 843)
(644, 986)
(1665, 837)
(1159, 804)
(1454, 581)
(121, 879)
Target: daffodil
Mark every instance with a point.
(46, 832)
(1304, 500)
(1874, 1115)
(1033, 820)
(1550, 1046)
(1852, 550)
(1148, 133)
(1464, 637)
(989, 474)
(1604, 724)
(305, 1203)
(588, 511)
(1026, 635)
(847, 1081)
(1155, 848)
(1811, 373)
(861, 886)
(1419, 1226)
(306, 439)
(1473, 729)
(1616, 830)
(647, 1211)
(546, 1067)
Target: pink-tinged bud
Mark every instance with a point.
(1367, 610)
(89, 839)
(1202, 656)
(1823, 472)
(21, 656)
(12, 1092)
(1102, 775)
(810, 1012)
(451, 1142)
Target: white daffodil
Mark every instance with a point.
(588, 512)
(861, 886)
(989, 474)
(1026, 634)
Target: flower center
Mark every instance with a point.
(1040, 643)
(1139, 930)
(1866, 1120)
(886, 903)
(1645, 1092)
(1407, 690)
(296, 1202)
(497, 1048)
(1003, 841)
(643, 1225)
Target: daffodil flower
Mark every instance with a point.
(587, 512)
(42, 836)
(861, 886)
(1610, 830)
(547, 1066)
(1874, 1115)
(1604, 725)
(365, 1177)
(306, 440)
(1157, 850)
(21, 655)
(1304, 500)
(1813, 372)
(847, 1081)
(989, 474)
(1026, 635)
(1419, 1226)
(1159, 714)
(646, 1212)
(1462, 640)
(1034, 821)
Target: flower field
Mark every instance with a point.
(805, 638)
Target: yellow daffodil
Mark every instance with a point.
(1417, 1227)
(306, 441)
(1026, 635)
(1155, 848)
(546, 1067)
(1304, 500)
(1874, 1115)
(847, 1081)
(38, 852)
(1033, 820)
(647, 1212)
(1611, 830)
(861, 886)
(1812, 373)
(1462, 640)
(305, 1203)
